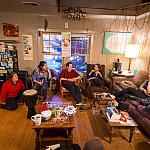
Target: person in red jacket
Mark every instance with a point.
(68, 78)
(11, 92)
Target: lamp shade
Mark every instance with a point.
(132, 50)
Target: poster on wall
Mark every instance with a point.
(27, 47)
(11, 30)
(115, 42)
(66, 44)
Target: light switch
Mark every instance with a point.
(66, 25)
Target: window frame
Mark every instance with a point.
(76, 35)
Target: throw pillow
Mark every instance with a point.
(140, 77)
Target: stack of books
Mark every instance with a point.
(113, 114)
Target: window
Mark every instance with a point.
(52, 51)
(79, 52)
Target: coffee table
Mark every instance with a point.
(54, 131)
(118, 125)
(102, 101)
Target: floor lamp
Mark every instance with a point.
(131, 51)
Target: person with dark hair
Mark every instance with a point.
(68, 78)
(11, 92)
(41, 78)
(96, 77)
(94, 144)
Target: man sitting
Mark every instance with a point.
(68, 78)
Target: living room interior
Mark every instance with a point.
(105, 29)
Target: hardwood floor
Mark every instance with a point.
(16, 131)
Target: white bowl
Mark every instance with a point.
(46, 114)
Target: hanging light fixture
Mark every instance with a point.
(74, 13)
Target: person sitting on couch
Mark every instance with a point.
(142, 95)
(96, 77)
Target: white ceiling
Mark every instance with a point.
(50, 7)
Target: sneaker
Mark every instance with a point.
(79, 104)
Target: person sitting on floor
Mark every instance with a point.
(11, 92)
(41, 78)
(68, 78)
(96, 77)
(142, 95)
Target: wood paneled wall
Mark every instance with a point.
(30, 24)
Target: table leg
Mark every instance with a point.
(111, 132)
(38, 140)
(131, 134)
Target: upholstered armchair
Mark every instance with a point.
(89, 89)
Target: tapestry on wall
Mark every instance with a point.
(11, 30)
(116, 42)
(66, 44)
(27, 47)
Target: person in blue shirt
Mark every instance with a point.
(41, 78)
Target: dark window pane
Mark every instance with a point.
(72, 51)
(84, 51)
(54, 62)
(79, 63)
(78, 51)
(79, 44)
(73, 44)
(85, 43)
(45, 36)
(73, 39)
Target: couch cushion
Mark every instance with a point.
(126, 84)
(140, 77)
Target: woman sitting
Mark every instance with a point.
(11, 92)
(96, 77)
(41, 78)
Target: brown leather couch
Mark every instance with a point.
(120, 83)
(90, 89)
(135, 109)
(140, 115)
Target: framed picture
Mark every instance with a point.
(27, 47)
(115, 42)
(66, 44)
(11, 30)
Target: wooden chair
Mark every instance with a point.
(65, 92)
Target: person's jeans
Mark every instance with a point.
(75, 91)
(43, 89)
(11, 104)
(124, 94)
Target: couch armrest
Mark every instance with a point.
(119, 79)
(108, 83)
